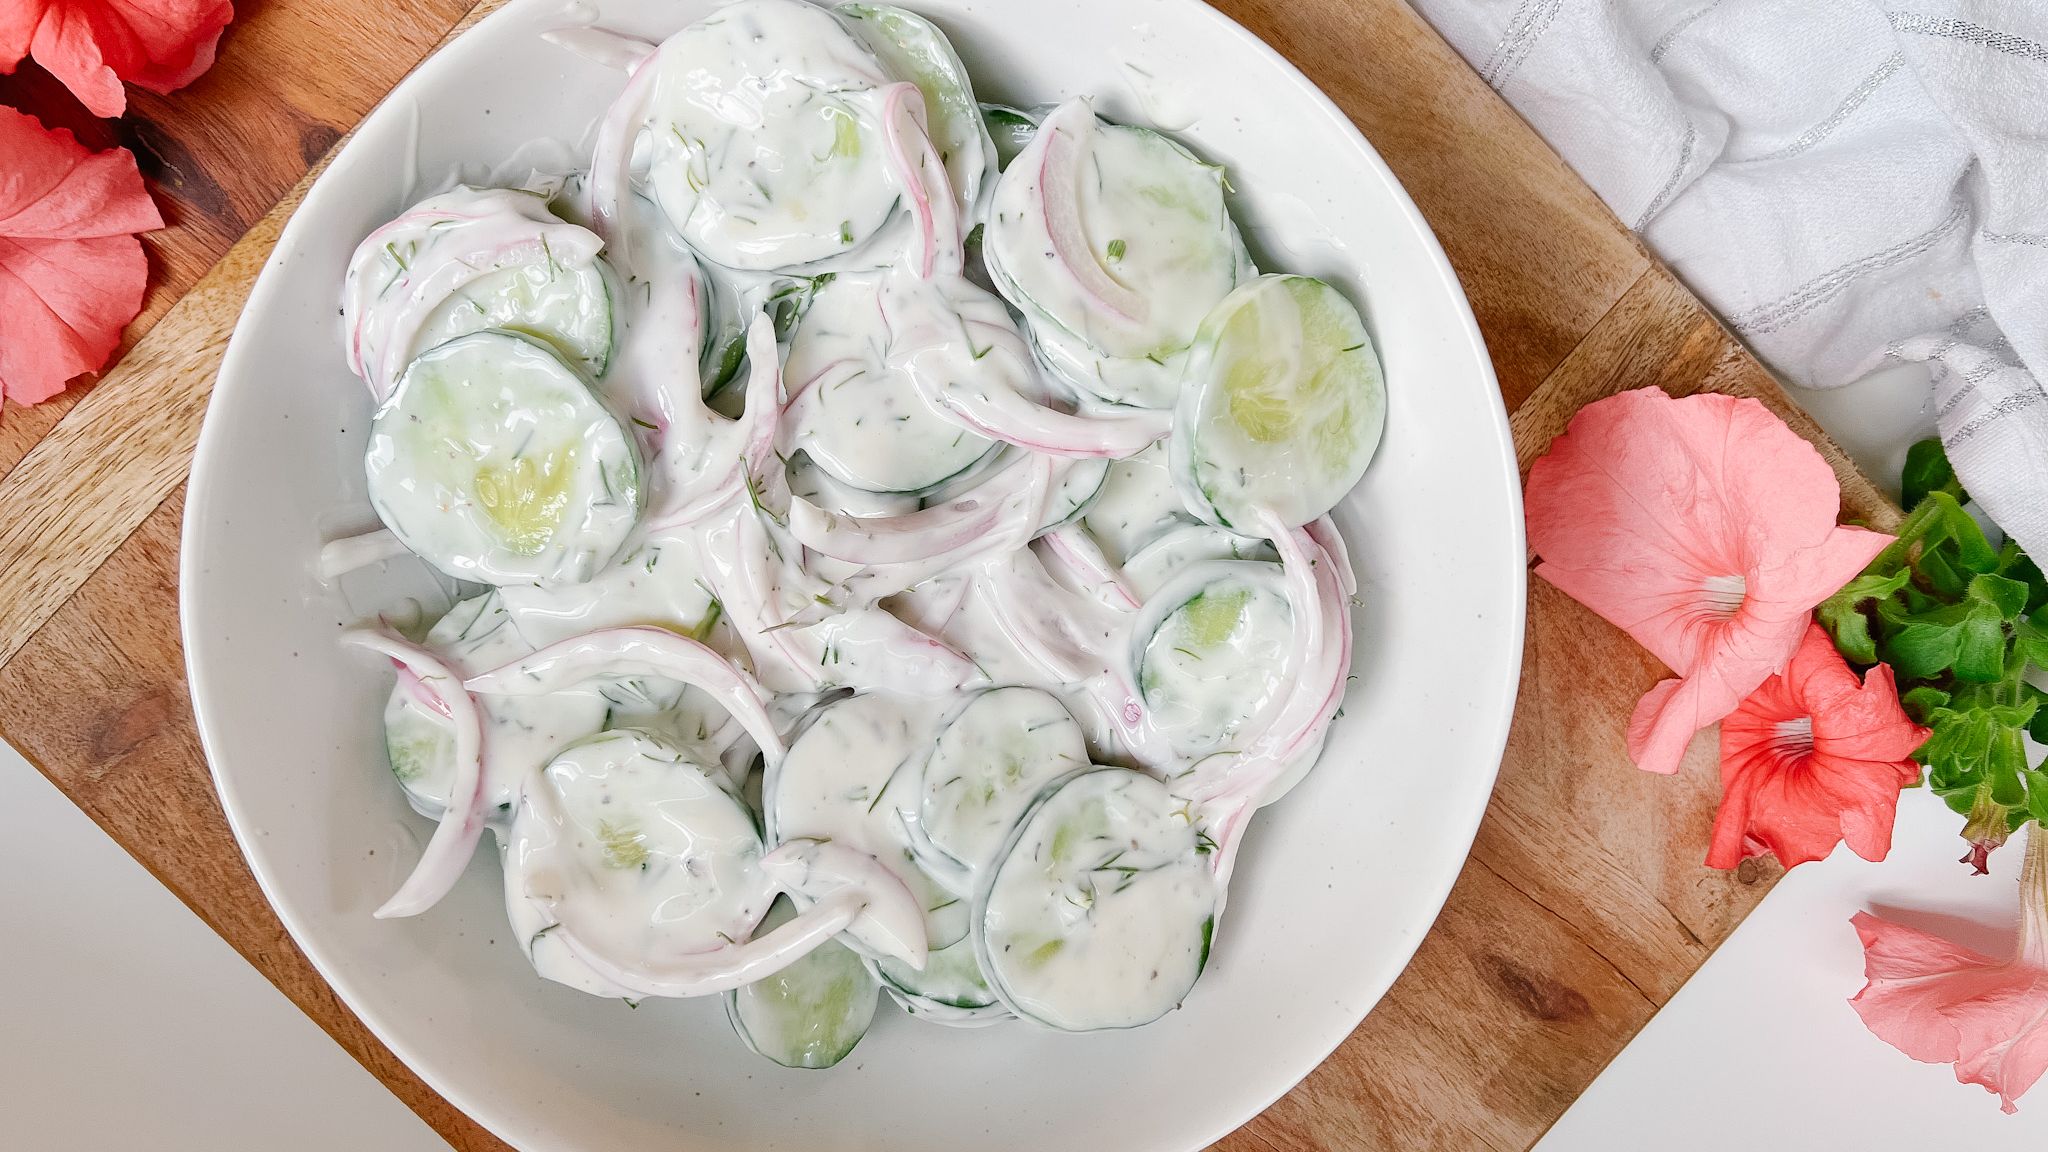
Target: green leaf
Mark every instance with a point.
(1921, 646)
(1973, 549)
(2017, 565)
(2030, 642)
(1921, 702)
(2037, 794)
(1927, 470)
(2009, 597)
(1842, 614)
(1980, 645)
(1851, 631)
(2006, 766)
(1940, 574)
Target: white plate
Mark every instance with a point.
(1337, 884)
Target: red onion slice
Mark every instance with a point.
(454, 839)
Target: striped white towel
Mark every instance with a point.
(1845, 181)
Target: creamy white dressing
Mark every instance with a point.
(1138, 504)
(990, 759)
(1211, 646)
(1116, 243)
(520, 733)
(766, 126)
(808, 525)
(1100, 915)
(846, 779)
(857, 413)
(638, 853)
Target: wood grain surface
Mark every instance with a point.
(1584, 905)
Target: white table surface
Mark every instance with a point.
(126, 1023)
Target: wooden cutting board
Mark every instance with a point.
(1584, 905)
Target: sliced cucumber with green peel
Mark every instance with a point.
(762, 161)
(1010, 129)
(810, 1014)
(640, 851)
(856, 410)
(1075, 488)
(913, 48)
(470, 259)
(1210, 647)
(1184, 544)
(1099, 913)
(522, 732)
(990, 760)
(1114, 242)
(568, 307)
(1282, 406)
(848, 777)
(950, 990)
(495, 462)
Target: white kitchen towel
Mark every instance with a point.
(1844, 181)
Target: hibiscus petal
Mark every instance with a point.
(72, 273)
(94, 45)
(1908, 976)
(1865, 724)
(66, 46)
(1811, 759)
(1942, 1003)
(1740, 656)
(2003, 1034)
(1646, 497)
(17, 28)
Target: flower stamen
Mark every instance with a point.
(1723, 595)
(1793, 738)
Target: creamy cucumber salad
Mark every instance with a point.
(889, 537)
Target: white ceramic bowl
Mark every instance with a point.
(1337, 884)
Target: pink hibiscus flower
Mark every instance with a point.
(1704, 528)
(94, 45)
(1813, 758)
(72, 272)
(1944, 1004)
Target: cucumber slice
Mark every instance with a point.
(568, 307)
(857, 412)
(912, 48)
(639, 852)
(1138, 504)
(1209, 648)
(762, 157)
(1010, 130)
(472, 259)
(1185, 544)
(950, 990)
(991, 759)
(1139, 382)
(727, 314)
(494, 462)
(845, 780)
(1282, 407)
(1077, 486)
(1100, 912)
(540, 939)
(522, 733)
(810, 1014)
(1114, 242)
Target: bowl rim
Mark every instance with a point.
(1459, 832)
